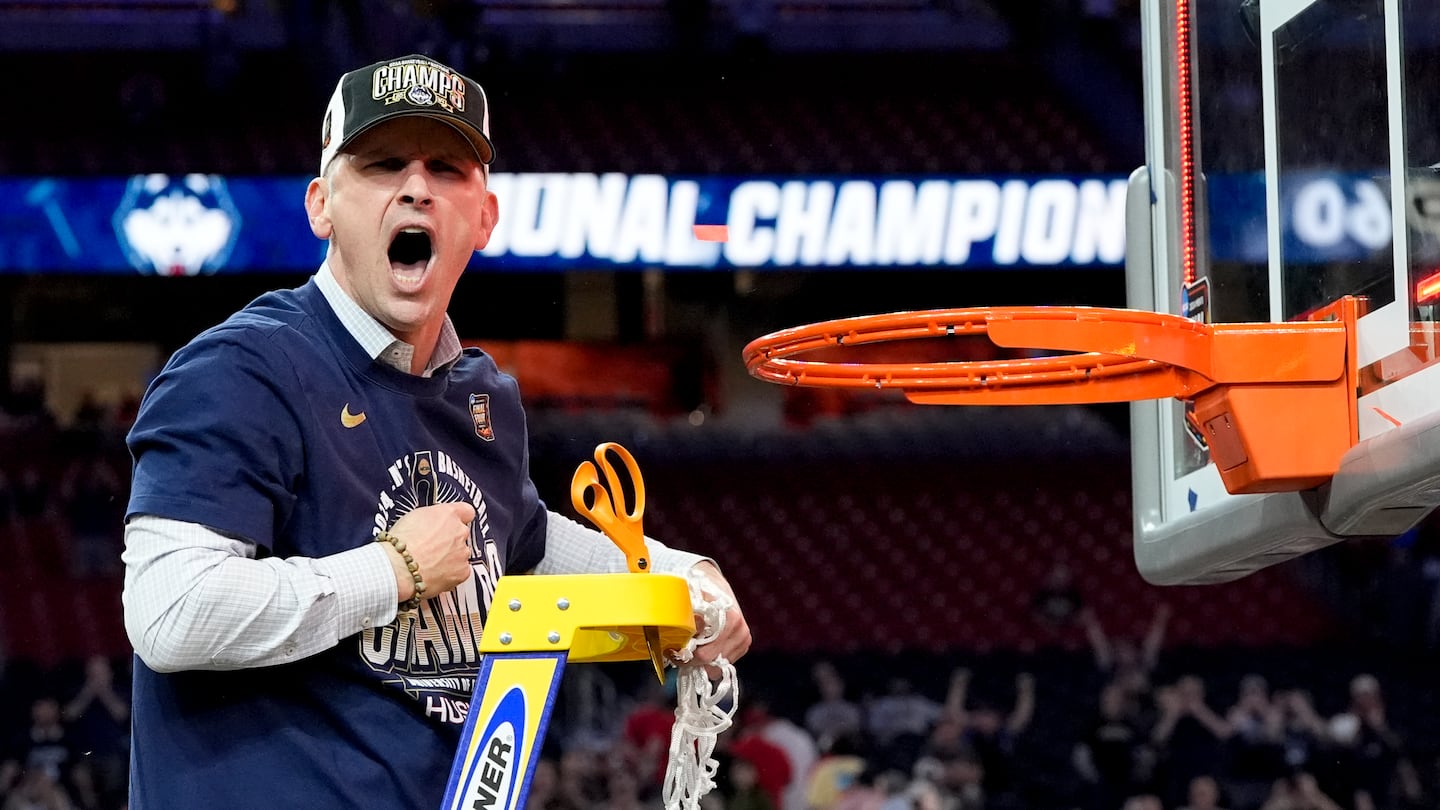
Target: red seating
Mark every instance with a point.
(937, 557)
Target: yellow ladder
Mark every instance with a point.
(536, 625)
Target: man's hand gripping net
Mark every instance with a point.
(700, 713)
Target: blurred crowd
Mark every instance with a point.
(1139, 744)
(71, 748)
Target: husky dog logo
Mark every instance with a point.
(177, 226)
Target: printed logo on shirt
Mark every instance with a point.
(351, 420)
(432, 652)
(480, 412)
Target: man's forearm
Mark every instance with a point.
(196, 599)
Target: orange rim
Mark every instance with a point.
(772, 357)
(1119, 354)
(1275, 401)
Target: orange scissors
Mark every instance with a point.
(623, 526)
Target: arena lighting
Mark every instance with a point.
(1427, 290)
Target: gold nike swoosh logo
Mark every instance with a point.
(351, 420)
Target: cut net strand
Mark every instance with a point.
(704, 708)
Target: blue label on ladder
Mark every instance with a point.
(504, 730)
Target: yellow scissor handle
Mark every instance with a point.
(621, 525)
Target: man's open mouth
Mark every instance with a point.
(410, 250)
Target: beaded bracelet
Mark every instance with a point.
(414, 601)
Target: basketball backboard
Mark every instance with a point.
(1292, 158)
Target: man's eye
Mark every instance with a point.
(441, 167)
(388, 164)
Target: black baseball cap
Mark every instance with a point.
(410, 85)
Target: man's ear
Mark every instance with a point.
(317, 195)
(489, 215)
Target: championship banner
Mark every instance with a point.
(198, 224)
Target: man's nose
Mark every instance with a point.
(415, 190)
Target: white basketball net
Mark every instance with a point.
(699, 713)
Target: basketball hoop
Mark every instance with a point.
(1274, 400)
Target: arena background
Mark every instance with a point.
(893, 540)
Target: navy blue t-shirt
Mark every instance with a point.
(255, 429)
